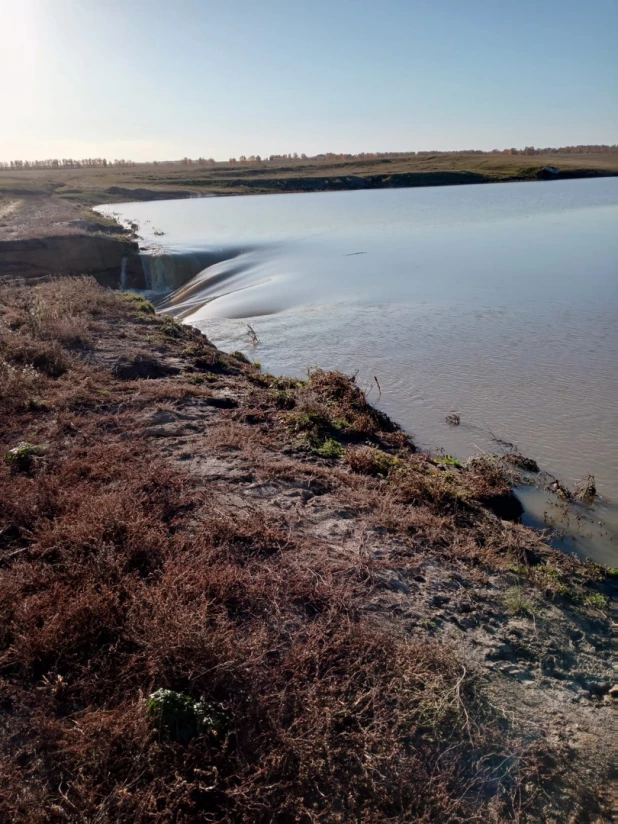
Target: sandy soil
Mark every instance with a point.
(34, 217)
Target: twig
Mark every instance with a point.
(499, 440)
(460, 699)
(379, 387)
(253, 335)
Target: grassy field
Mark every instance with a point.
(150, 181)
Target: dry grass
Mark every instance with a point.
(121, 576)
(109, 593)
(45, 332)
(330, 409)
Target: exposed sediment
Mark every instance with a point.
(73, 254)
(43, 236)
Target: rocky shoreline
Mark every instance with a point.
(372, 640)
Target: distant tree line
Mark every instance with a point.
(64, 163)
(582, 149)
(101, 162)
(527, 151)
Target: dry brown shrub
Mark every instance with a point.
(24, 352)
(18, 386)
(108, 593)
(37, 325)
(368, 461)
(340, 402)
(77, 296)
(487, 475)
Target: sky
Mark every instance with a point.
(161, 79)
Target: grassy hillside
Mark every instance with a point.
(147, 181)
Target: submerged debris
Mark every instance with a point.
(453, 418)
(521, 462)
(252, 334)
(561, 490)
(586, 489)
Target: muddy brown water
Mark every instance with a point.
(498, 302)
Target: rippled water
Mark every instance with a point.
(497, 301)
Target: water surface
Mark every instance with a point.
(497, 301)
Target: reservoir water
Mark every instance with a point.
(498, 302)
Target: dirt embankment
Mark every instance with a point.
(231, 597)
(42, 234)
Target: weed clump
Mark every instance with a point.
(597, 601)
(521, 462)
(519, 605)
(45, 356)
(330, 406)
(183, 717)
(448, 460)
(138, 303)
(284, 399)
(20, 458)
(370, 461)
(586, 490)
(331, 449)
(171, 328)
(488, 470)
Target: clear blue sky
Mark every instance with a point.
(148, 79)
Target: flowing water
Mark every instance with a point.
(498, 302)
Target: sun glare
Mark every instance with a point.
(19, 26)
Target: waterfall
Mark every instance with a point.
(145, 259)
(123, 274)
(164, 272)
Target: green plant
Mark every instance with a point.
(20, 457)
(286, 383)
(170, 327)
(597, 601)
(330, 449)
(182, 717)
(547, 576)
(566, 592)
(239, 356)
(284, 399)
(448, 460)
(314, 422)
(368, 461)
(197, 380)
(519, 605)
(36, 405)
(139, 302)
